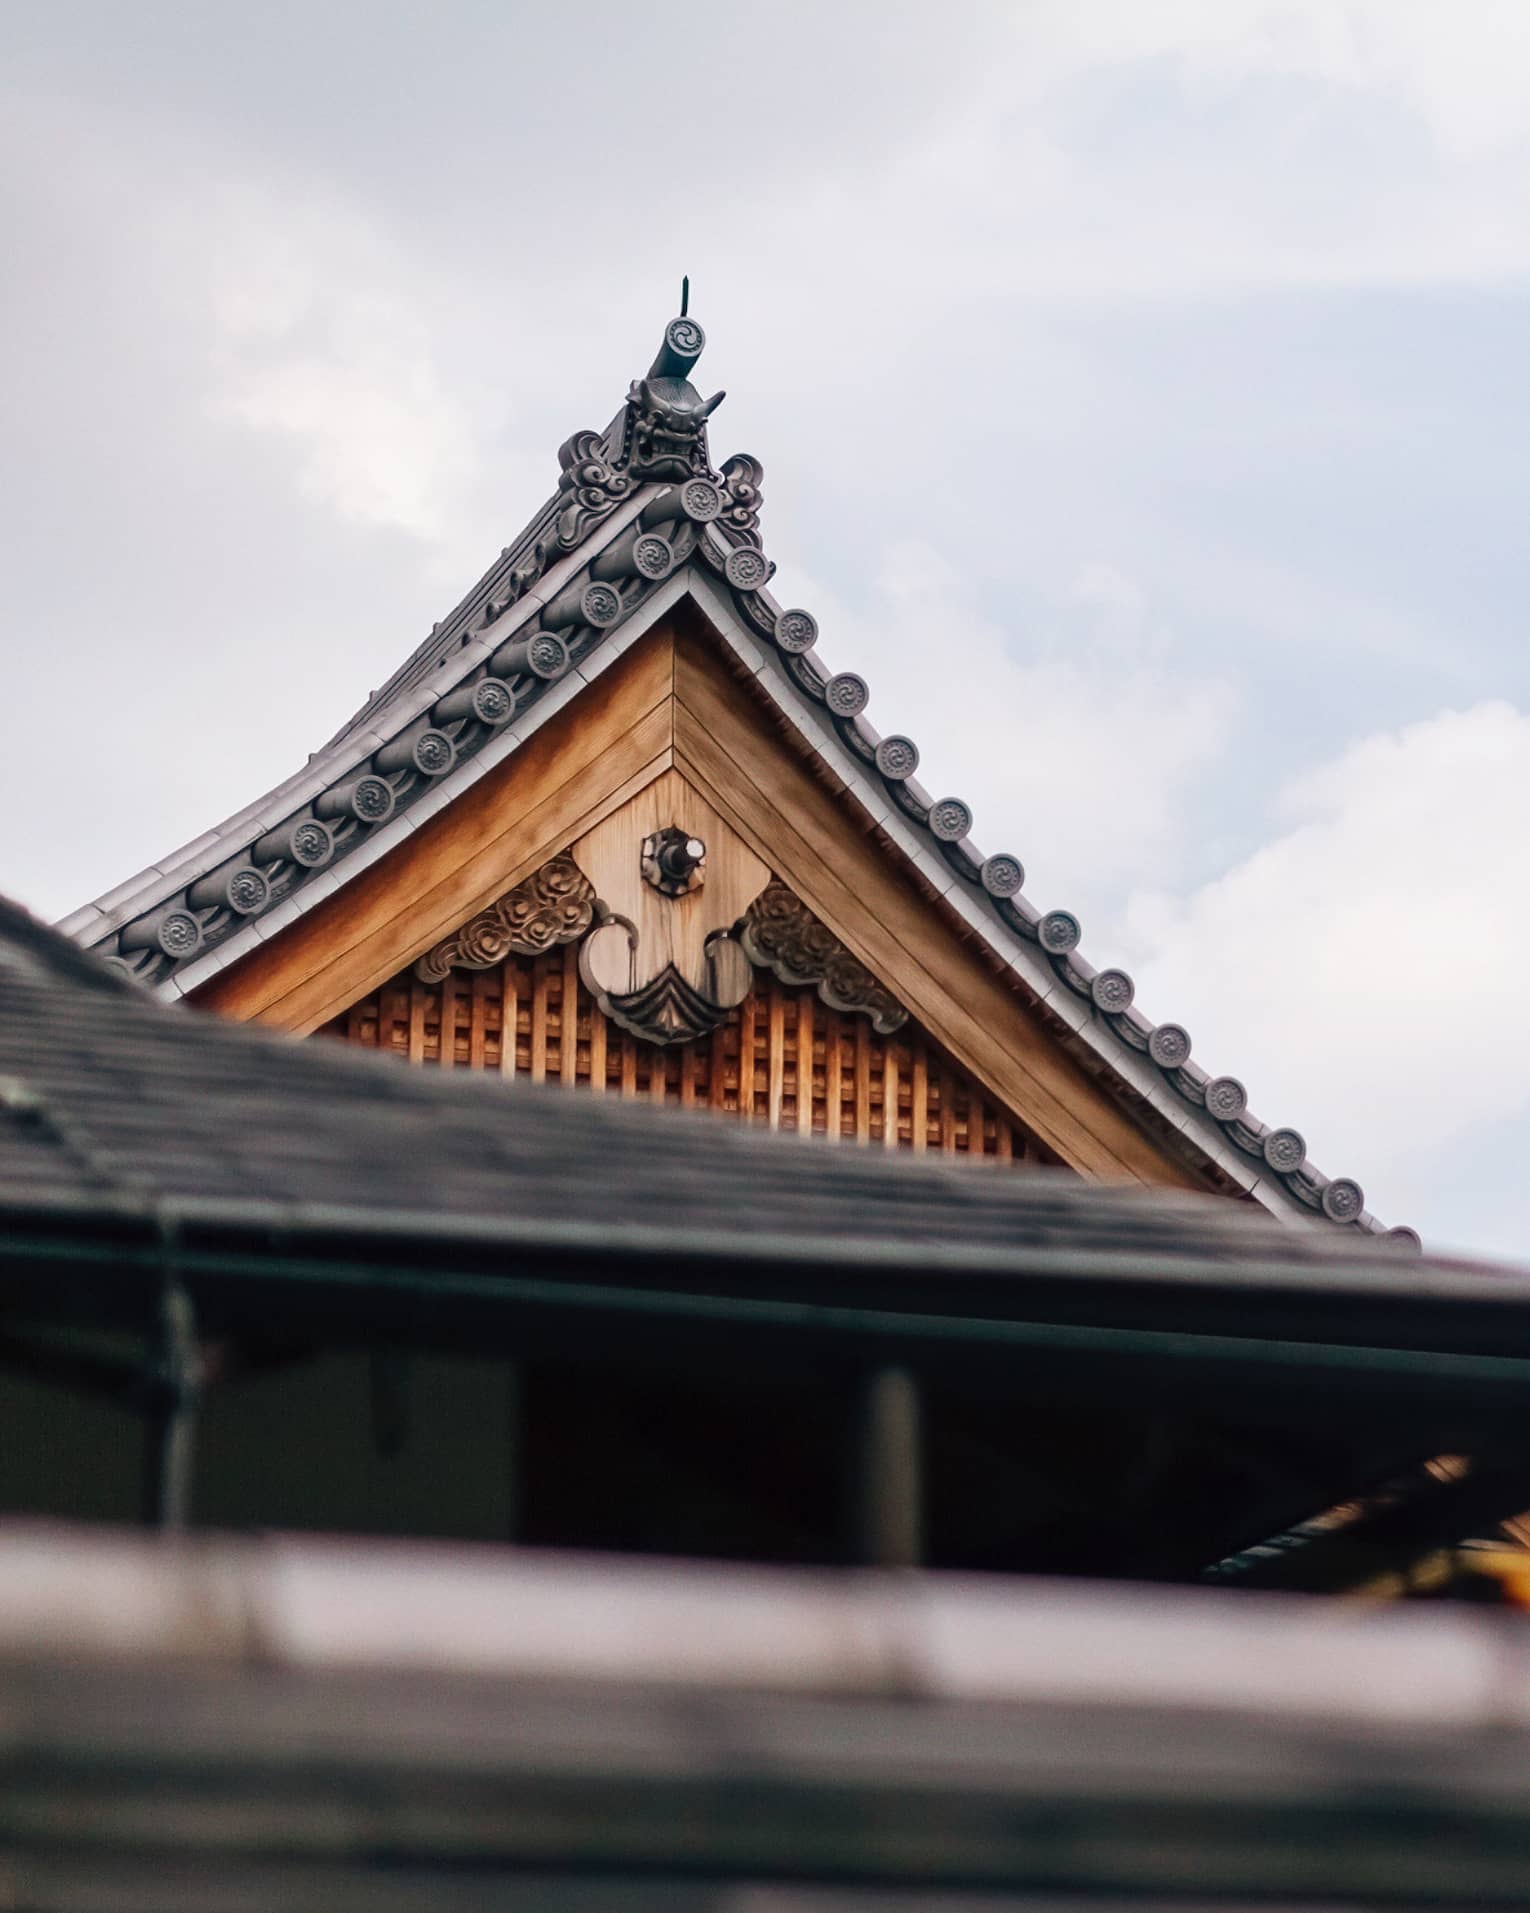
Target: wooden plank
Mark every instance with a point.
(947, 1112)
(587, 760)
(866, 897)
(419, 999)
(806, 1004)
(478, 1019)
(717, 1069)
(629, 1064)
(539, 1019)
(690, 1065)
(919, 1098)
(446, 1053)
(393, 1020)
(510, 1017)
(775, 1069)
(834, 1077)
(890, 1090)
(862, 1079)
(597, 1051)
(746, 1058)
(568, 1017)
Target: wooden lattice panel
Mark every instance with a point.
(901, 1090)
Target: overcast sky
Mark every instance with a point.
(1139, 389)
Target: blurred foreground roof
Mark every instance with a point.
(236, 1724)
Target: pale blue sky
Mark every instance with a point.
(1138, 384)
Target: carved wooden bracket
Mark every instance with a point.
(669, 1008)
(780, 933)
(664, 963)
(555, 904)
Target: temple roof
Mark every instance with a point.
(642, 522)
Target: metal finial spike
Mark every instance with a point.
(685, 295)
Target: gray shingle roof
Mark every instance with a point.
(114, 1106)
(640, 520)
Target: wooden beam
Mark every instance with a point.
(171, 1414)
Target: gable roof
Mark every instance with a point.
(640, 525)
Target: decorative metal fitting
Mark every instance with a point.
(674, 861)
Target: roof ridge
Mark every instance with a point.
(660, 432)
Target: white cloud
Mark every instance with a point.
(1077, 756)
(320, 340)
(1203, 146)
(1364, 971)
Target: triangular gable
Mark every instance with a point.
(627, 636)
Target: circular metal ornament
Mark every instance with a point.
(178, 934)
(1112, 991)
(1059, 932)
(897, 758)
(653, 557)
(1226, 1098)
(796, 631)
(247, 891)
(547, 656)
(1404, 1237)
(600, 605)
(434, 753)
(674, 861)
(1002, 875)
(685, 337)
(1169, 1045)
(1284, 1150)
(846, 694)
(493, 701)
(1343, 1200)
(311, 843)
(950, 819)
(746, 569)
(372, 799)
(700, 500)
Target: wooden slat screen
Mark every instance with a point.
(901, 1091)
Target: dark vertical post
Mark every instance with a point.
(388, 1377)
(174, 1388)
(890, 1472)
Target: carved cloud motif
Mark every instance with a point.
(780, 933)
(555, 904)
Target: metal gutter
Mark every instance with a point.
(557, 1291)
